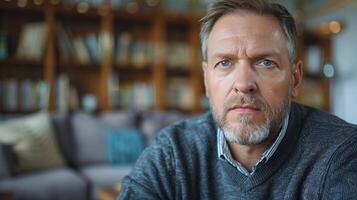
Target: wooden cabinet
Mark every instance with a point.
(142, 60)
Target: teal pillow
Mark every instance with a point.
(124, 146)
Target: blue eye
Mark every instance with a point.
(224, 64)
(265, 63)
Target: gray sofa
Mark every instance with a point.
(82, 145)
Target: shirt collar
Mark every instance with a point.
(224, 153)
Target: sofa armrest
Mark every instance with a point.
(5, 165)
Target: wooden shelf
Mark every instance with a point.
(133, 70)
(30, 8)
(152, 27)
(21, 62)
(139, 17)
(70, 11)
(178, 72)
(65, 66)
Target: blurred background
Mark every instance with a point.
(95, 80)
(104, 55)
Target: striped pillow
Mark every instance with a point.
(124, 146)
(32, 140)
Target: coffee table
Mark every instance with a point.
(108, 193)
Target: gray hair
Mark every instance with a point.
(219, 8)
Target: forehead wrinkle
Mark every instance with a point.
(233, 47)
(243, 38)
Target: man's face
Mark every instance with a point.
(248, 77)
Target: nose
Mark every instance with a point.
(244, 79)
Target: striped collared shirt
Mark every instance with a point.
(224, 153)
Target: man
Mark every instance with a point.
(256, 143)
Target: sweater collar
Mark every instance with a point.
(280, 156)
(224, 152)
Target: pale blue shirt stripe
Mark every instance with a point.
(224, 153)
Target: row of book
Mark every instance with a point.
(73, 47)
(140, 95)
(30, 95)
(176, 5)
(131, 51)
(180, 94)
(78, 48)
(133, 95)
(90, 2)
(31, 42)
(130, 95)
(178, 54)
(128, 49)
(25, 95)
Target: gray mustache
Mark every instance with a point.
(240, 100)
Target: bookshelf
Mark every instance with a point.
(315, 51)
(118, 57)
(113, 58)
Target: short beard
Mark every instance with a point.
(247, 133)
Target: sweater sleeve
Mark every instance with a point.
(152, 176)
(341, 177)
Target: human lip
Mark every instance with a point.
(245, 109)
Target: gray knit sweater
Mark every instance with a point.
(317, 159)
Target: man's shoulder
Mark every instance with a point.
(325, 125)
(320, 117)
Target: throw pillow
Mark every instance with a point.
(89, 134)
(124, 146)
(32, 140)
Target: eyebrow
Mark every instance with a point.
(262, 54)
(265, 54)
(224, 55)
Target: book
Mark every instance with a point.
(178, 54)
(33, 37)
(94, 49)
(138, 54)
(10, 95)
(142, 96)
(137, 95)
(180, 94)
(66, 49)
(62, 93)
(28, 95)
(124, 41)
(114, 92)
(43, 94)
(3, 45)
(80, 50)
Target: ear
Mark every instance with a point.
(297, 78)
(205, 71)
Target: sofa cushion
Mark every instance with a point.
(57, 183)
(153, 121)
(89, 134)
(64, 137)
(124, 145)
(5, 163)
(32, 140)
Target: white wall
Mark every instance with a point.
(344, 51)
